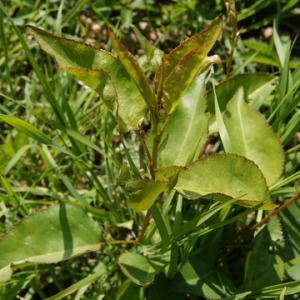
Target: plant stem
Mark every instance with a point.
(265, 219)
(145, 224)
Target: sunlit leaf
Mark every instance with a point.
(67, 53)
(224, 176)
(48, 236)
(187, 129)
(206, 36)
(252, 137)
(144, 192)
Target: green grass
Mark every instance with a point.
(70, 115)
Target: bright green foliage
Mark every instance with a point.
(48, 236)
(144, 192)
(197, 202)
(228, 175)
(254, 86)
(186, 138)
(70, 54)
(250, 136)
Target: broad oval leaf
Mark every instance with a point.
(48, 236)
(252, 137)
(144, 192)
(228, 175)
(67, 53)
(207, 35)
(251, 82)
(187, 129)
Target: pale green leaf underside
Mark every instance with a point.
(67, 53)
(48, 236)
(252, 137)
(222, 175)
(144, 192)
(187, 128)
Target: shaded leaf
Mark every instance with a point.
(228, 175)
(187, 128)
(201, 276)
(265, 266)
(144, 192)
(141, 269)
(159, 290)
(48, 236)
(131, 108)
(252, 137)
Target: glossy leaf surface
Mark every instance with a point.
(187, 128)
(131, 107)
(48, 236)
(144, 192)
(226, 175)
(252, 137)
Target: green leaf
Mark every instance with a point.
(252, 137)
(144, 192)
(154, 55)
(141, 269)
(131, 65)
(176, 84)
(204, 37)
(100, 81)
(187, 129)
(228, 175)
(290, 221)
(69, 54)
(265, 266)
(48, 236)
(253, 84)
(201, 277)
(33, 132)
(160, 290)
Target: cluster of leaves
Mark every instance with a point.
(181, 247)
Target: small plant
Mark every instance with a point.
(176, 208)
